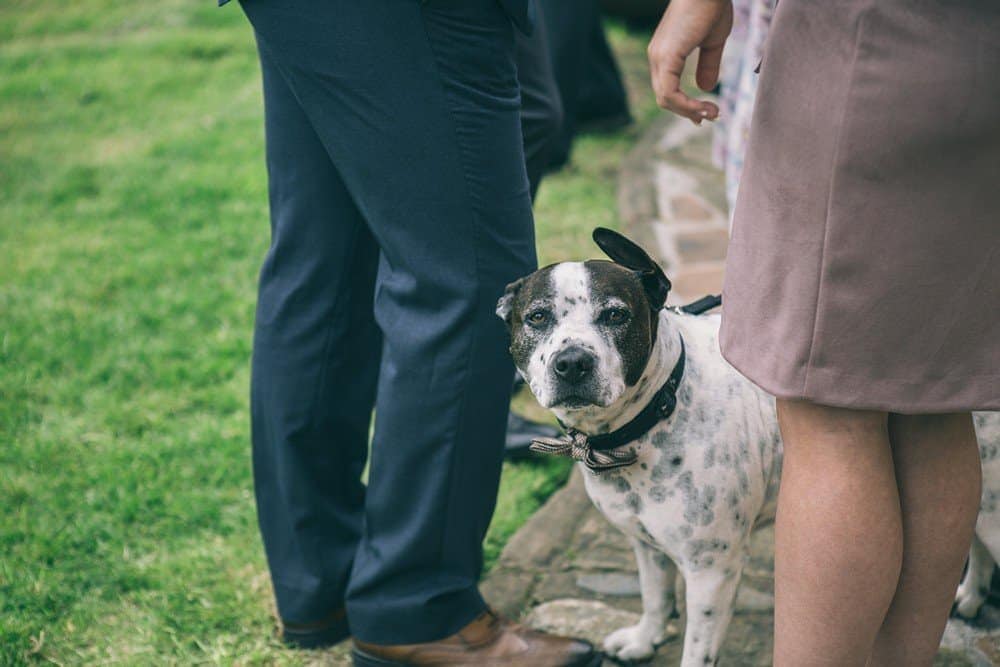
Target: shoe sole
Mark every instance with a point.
(316, 639)
(313, 641)
(362, 659)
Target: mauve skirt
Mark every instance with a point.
(864, 264)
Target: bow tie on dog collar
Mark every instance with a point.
(614, 450)
(576, 445)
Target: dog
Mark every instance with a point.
(679, 450)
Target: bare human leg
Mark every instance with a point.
(838, 535)
(938, 475)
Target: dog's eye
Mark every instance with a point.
(615, 316)
(537, 318)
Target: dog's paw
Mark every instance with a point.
(968, 601)
(631, 643)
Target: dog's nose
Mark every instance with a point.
(573, 364)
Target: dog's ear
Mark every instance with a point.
(506, 303)
(631, 256)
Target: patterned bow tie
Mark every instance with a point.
(576, 446)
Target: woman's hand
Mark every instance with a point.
(685, 26)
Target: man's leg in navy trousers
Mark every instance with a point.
(315, 364)
(416, 107)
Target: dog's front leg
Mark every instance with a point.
(657, 574)
(710, 595)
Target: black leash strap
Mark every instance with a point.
(702, 305)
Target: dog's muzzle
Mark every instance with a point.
(573, 370)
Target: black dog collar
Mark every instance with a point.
(608, 450)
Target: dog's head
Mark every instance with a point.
(582, 332)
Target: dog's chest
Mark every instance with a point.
(702, 478)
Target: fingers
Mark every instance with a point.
(694, 110)
(687, 25)
(667, 86)
(710, 53)
(709, 64)
(665, 72)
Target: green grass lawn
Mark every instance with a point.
(132, 223)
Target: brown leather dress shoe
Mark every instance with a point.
(489, 641)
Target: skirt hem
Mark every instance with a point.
(840, 391)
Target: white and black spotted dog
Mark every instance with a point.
(595, 344)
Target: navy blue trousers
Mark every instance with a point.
(399, 210)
